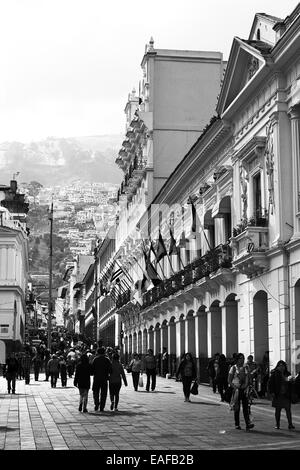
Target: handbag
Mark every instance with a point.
(141, 382)
(194, 389)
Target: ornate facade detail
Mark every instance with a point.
(244, 179)
(269, 156)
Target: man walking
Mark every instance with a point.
(101, 368)
(150, 368)
(10, 372)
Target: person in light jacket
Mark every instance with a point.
(136, 368)
(115, 381)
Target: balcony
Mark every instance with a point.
(205, 273)
(250, 248)
(123, 298)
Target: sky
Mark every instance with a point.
(67, 66)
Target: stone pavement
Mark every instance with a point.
(39, 417)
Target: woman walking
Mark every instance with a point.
(280, 388)
(82, 380)
(238, 379)
(115, 381)
(187, 371)
(136, 368)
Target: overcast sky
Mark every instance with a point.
(67, 66)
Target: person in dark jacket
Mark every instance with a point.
(115, 381)
(221, 375)
(82, 380)
(187, 371)
(101, 369)
(10, 372)
(280, 389)
(37, 362)
(150, 368)
(63, 371)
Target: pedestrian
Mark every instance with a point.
(222, 376)
(37, 362)
(63, 371)
(71, 356)
(82, 380)
(280, 388)
(150, 369)
(115, 381)
(101, 369)
(10, 372)
(20, 372)
(238, 379)
(165, 362)
(136, 368)
(212, 371)
(26, 364)
(47, 357)
(53, 368)
(187, 371)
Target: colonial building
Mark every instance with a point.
(13, 268)
(235, 284)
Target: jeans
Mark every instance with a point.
(186, 383)
(83, 397)
(222, 384)
(54, 377)
(242, 398)
(100, 388)
(114, 391)
(151, 373)
(11, 381)
(135, 379)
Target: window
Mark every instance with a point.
(4, 329)
(257, 195)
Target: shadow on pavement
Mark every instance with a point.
(7, 429)
(108, 413)
(205, 403)
(288, 433)
(155, 391)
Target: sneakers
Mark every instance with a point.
(249, 426)
(190, 401)
(277, 427)
(112, 406)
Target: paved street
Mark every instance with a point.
(42, 418)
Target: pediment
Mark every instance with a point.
(245, 60)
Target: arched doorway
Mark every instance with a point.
(215, 328)
(172, 347)
(231, 325)
(134, 346)
(164, 328)
(260, 325)
(139, 346)
(203, 344)
(151, 338)
(296, 357)
(190, 323)
(145, 341)
(182, 335)
(157, 339)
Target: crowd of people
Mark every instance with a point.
(236, 381)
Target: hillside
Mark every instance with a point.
(59, 160)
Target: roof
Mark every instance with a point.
(271, 17)
(263, 47)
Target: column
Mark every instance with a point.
(224, 329)
(178, 340)
(295, 130)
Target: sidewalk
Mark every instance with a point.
(40, 417)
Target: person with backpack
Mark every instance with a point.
(279, 386)
(238, 380)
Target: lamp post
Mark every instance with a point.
(50, 278)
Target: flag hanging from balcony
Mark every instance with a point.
(161, 249)
(150, 269)
(173, 249)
